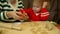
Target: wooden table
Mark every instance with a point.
(14, 28)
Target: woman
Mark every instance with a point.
(9, 10)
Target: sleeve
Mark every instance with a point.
(3, 16)
(44, 14)
(20, 4)
(3, 12)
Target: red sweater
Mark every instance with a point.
(40, 16)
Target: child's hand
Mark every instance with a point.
(24, 15)
(45, 4)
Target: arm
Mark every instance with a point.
(3, 14)
(44, 14)
(45, 4)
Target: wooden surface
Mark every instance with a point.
(25, 28)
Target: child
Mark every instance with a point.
(37, 13)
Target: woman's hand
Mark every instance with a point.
(17, 15)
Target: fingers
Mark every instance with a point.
(22, 11)
(19, 16)
(23, 15)
(16, 17)
(19, 13)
